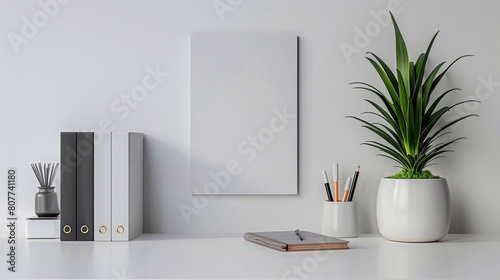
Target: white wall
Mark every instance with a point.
(90, 54)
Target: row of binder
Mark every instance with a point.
(101, 186)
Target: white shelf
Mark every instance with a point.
(230, 256)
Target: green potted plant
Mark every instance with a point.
(412, 205)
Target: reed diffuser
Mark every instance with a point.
(46, 198)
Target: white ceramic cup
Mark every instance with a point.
(340, 219)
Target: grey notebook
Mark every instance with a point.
(290, 241)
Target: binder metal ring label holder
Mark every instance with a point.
(120, 229)
(67, 229)
(102, 229)
(84, 229)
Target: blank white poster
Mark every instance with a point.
(244, 113)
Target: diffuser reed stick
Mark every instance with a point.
(45, 173)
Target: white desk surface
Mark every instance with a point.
(219, 256)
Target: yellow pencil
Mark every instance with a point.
(336, 182)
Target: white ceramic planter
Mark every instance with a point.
(413, 210)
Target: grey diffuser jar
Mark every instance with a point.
(46, 202)
(46, 197)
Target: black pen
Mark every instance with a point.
(353, 185)
(327, 187)
(298, 234)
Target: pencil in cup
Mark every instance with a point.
(346, 189)
(353, 184)
(336, 182)
(327, 186)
